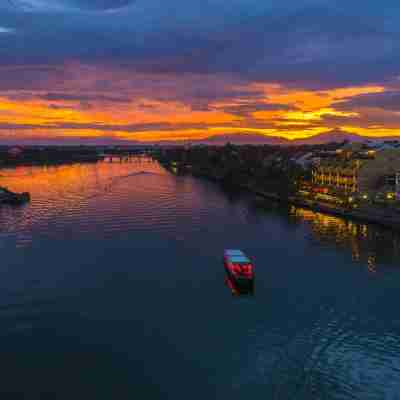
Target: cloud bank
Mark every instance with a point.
(200, 68)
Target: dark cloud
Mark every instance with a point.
(132, 128)
(83, 97)
(366, 118)
(310, 43)
(100, 4)
(91, 84)
(245, 110)
(199, 56)
(388, 100)
(146, 127)
(64, 5)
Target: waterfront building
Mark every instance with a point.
(359, 172)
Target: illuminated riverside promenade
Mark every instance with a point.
(350, 181)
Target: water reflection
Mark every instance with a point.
(238, 290)
(368, 244)
(121, 262)
(79, 197)
(68, 198)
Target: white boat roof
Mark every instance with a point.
(236, 256)
(234, 252)
(239, 259)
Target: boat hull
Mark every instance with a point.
(246, 282)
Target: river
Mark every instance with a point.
(112, 287)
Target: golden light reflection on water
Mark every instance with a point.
(60, 178)
(368, 244)
(61, 194)
(106, 197)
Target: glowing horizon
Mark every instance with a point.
(263, 109)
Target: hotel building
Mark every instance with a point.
(363, 173)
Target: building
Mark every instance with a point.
(362, 172)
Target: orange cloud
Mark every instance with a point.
(168, 110)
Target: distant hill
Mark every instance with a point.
(245, 138)
(335, 135)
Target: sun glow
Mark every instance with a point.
(168, 113)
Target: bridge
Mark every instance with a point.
(133, 156)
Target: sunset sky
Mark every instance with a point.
(109, 71)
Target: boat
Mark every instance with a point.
(8, 197)
(239, 268)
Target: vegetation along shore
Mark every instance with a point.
(356, 180)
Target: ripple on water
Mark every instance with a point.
(338, 356)
(64, 198)
(334, 360)
(332, 352)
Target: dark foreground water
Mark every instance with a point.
(112, 287)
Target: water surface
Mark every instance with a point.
(112, 286)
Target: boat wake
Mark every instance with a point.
(114, 181)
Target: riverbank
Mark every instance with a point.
(36, 156)
(384, 218)
(11, 198)
(374, 216)
(364, 215)
(367, 215)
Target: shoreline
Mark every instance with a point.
(39, 163)
(387, 221)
